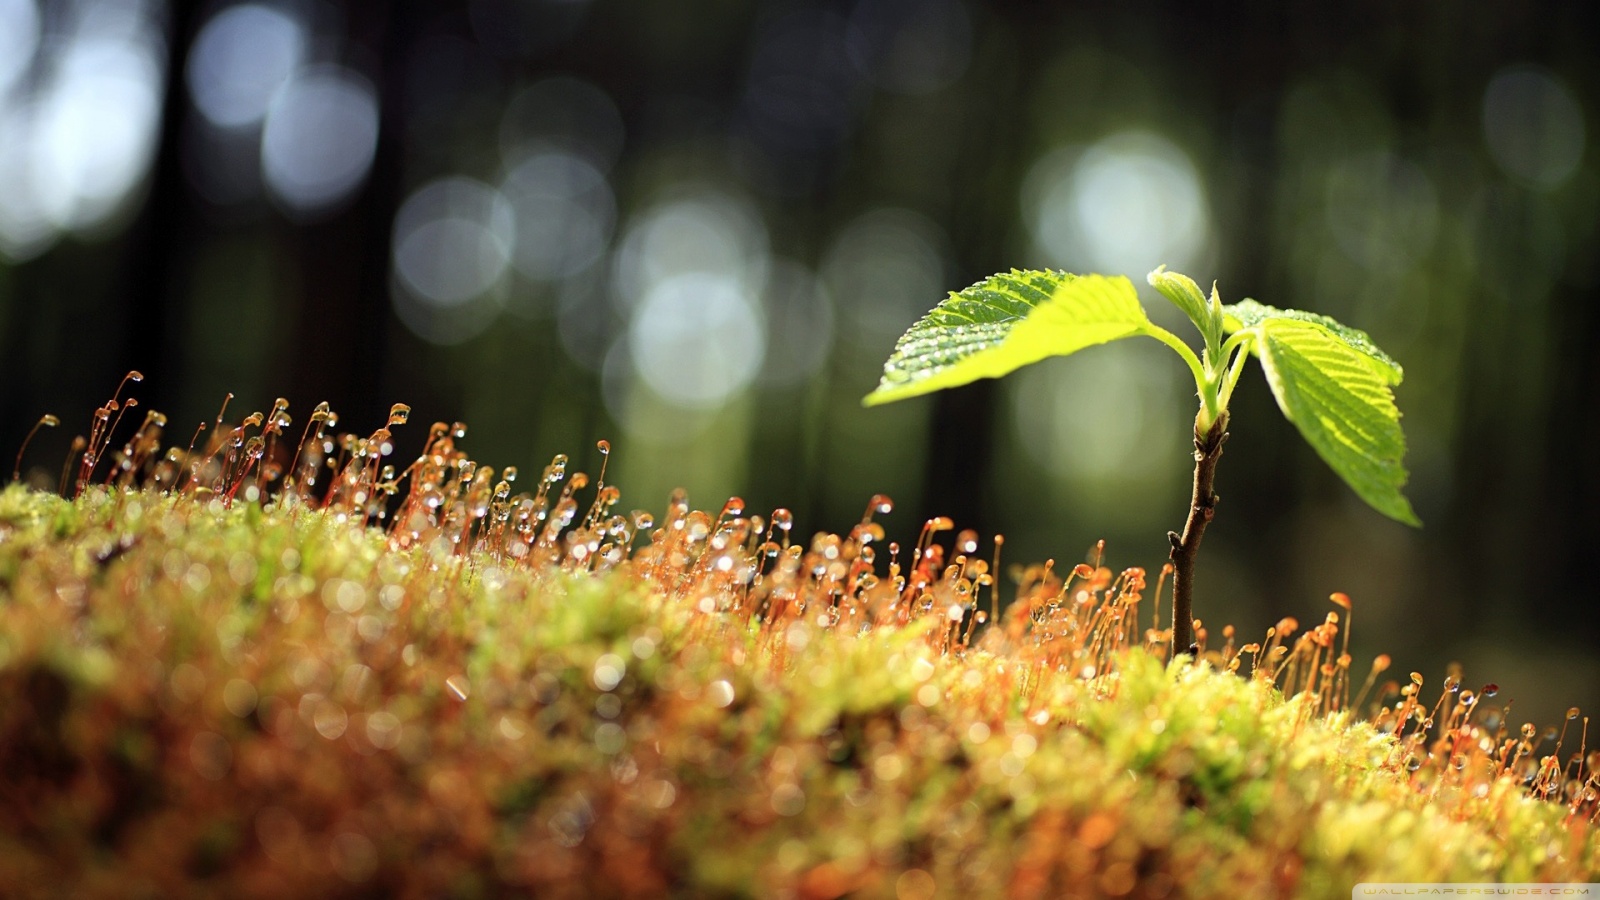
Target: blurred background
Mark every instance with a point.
(696, 228)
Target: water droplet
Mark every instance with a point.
(967, 541)
(1572, 713)
(1489, 690)
(882, 505)
(510, 473)
(399, 413)
(643, 520)
(734, 508)
(782, 519)
(604, 447)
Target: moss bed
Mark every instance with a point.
(201, 697)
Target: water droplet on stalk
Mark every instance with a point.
(967, 541)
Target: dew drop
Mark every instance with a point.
(782, 519)
(734, 508)
(399, 413)
(604, 447)
(1489, 690)
(967, 541)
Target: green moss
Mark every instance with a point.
(275, 702)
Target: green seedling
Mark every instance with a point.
(1331, 381)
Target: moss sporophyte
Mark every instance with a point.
(1330, 380)
(274, 665)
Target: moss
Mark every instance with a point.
(247, 700)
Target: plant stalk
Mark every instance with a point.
(1186, 547)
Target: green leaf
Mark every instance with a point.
(1250, 314)
(1187, 296)
(1183, 293)
(1004, 323)
(1341, 402)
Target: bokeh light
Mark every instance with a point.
(886, 268)
(688, 277)
(1534, 126)
(705, 230)
(73, 153)
(697, 338)
(25, 229)
(96, 128)
(240, 59)
(19, 38)
(1125, 204)
(318, 142)
(453, 240)
(565, 212)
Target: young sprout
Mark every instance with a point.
(1331, 381)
